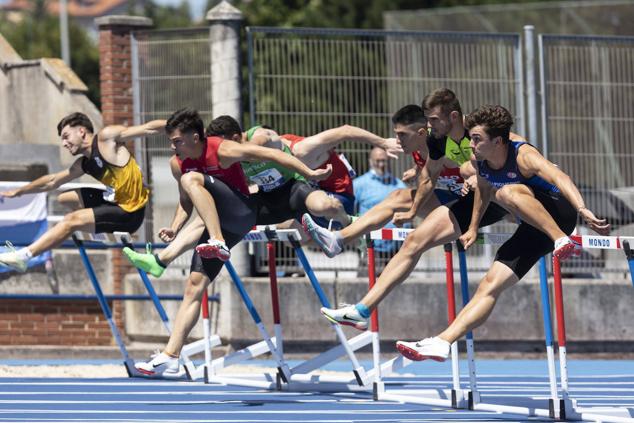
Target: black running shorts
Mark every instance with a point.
(109, 217)
(463, 209)
(237, 213)
(283, 203)
(528, 244)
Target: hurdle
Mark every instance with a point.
(556, 407)
(86, 240)
(455, 397)
(298, 378)
(567, 405)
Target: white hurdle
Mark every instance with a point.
(300, 377)
(562, 407)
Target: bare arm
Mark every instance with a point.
(48, 182)
(267, 138)
(185, 207)
(531, 162)
(481, 200)
(426, 182)
(120, 134)
(314, 150)
(231, 152)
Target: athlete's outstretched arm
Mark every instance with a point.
(120, 133)
(231, 152)
(426, 182)
(47, 182)
(531, 162)
(314, 150)
(265, 137)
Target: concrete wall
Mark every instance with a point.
(598, 312)
(34, 96)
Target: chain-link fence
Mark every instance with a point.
(588, 118)
(170, 70)
(304, 81)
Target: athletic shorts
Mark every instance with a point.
(109, 217)
(283, 203)
(236, 212)
(463, 209)
(528, 244)
(445, 197)
(346, 200)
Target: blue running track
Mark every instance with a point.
(596, 384)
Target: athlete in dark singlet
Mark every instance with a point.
(120, 207)
(517, 176)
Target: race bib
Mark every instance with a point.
(268, 179)
(108, 194)
(449, 183)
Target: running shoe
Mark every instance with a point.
(565, 247)
(160, 365)
(325, 239)
(429, 348)
(12, 259)
(347, 315)
(212, 249)
(146, 262)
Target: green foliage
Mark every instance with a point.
(169, 16)
(38, 35)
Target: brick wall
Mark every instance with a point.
(115, 76)
(53, 323)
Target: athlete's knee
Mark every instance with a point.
(489, 286)
(195, 286)
(510, 195)
(72, 221)
(191, 179)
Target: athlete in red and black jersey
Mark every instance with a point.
(210, 179)
(318, 151)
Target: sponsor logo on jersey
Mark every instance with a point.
(512, 175)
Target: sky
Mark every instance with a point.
(197, 6)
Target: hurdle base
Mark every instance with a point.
(460, 399)
(473, 399)
(568, 410)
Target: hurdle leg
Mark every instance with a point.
(275, 299)
(128, 363)
(474, 394)
(153, 295)
(378, 386)
(548, 331)
(284, 371)
(566, 405)
(359, 372)
(629, 256)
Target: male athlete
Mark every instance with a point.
(283, 193)
(120, 207)
(208, 171)
(514, 174)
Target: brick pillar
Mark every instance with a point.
(115, 68)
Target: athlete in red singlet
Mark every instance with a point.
(204, 169)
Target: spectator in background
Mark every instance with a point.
(370, 189)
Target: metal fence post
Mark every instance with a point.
(531, 88)
(225, 22)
